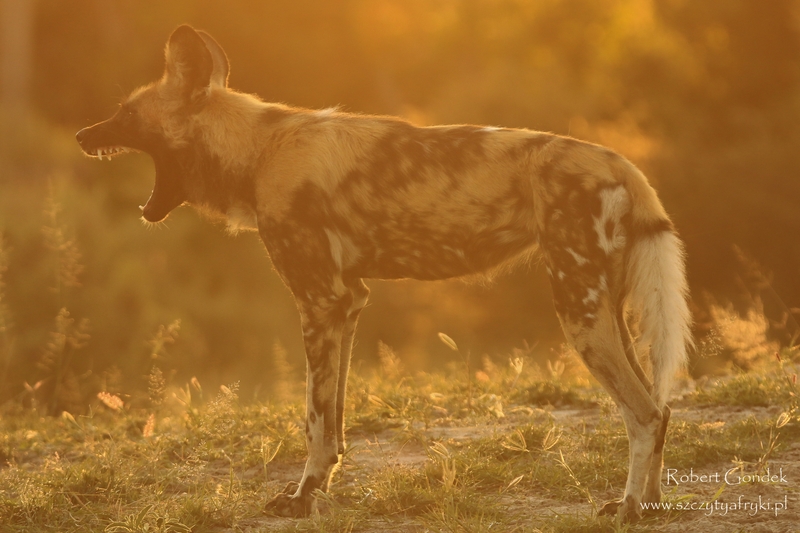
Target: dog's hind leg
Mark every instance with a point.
(586, 296)
(652, 493)
(324, 315)
(598, 342)
(360, 295)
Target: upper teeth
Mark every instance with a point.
(100, 152)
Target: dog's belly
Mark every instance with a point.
(435, 255)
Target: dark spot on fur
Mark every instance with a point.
(662, 431)
(319, 361)
(213, 185)
(641, 230)
(340, 309)
(573, 255)
(407, 154)
(310, 484)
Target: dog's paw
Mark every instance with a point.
(626, 508)
(609, 508)
(289, 504)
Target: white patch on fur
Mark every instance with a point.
(578, 257)
(615, 203)
(456, 251)
(338, 286)
(343, 251)
(336, 247)
(592, 296)
(241, 219)
(490, 129)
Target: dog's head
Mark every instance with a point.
(159, 118)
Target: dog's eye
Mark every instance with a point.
(128, 111)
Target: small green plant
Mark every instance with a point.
(147, 521)
(66, 339)
(576, 484)
(164, 336)
(450, 343)
(67, 257)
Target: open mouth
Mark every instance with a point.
(168, 192)
(109, 151)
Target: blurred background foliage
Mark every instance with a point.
(703, 96)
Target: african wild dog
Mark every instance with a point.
(338, 197)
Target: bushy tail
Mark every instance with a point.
(657, 293)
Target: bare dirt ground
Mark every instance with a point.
(746, 504)
(745, 507)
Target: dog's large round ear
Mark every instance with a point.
(219, 74)
(189, 62)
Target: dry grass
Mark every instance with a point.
(525, 453)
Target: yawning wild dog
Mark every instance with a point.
(339, 197)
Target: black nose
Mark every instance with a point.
(81, 135)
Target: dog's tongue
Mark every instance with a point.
(167, 195)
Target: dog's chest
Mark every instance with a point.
(241, 218)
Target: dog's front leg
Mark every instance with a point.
(360, 294)
(323, 316)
